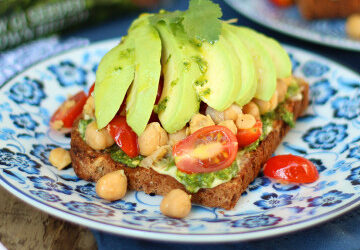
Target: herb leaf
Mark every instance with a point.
(201, 20)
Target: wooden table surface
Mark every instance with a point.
(24, 227)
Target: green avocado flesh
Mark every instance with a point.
(278, 54)
(142, 93)
(247, 70)
(180, 58)
(222, 80)
(265, 68)
(113, 78)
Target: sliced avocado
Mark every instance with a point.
(142, 93)
(181, 66)
(221, 80)
(265, 68)
(278, 54)
(247, 66)
(113, 78)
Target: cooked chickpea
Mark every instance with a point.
(230, 124)
(199, 121)
(264, 106)
(97, 139)
(112, 186)
(232, 112)
(274, 101)
(281, 89)
(59, 158)
(153, 137)
(89, 107)
(216, 116)
(353, 26)
(177, 136)
(176, 204)
(245, 121)
(252, 109)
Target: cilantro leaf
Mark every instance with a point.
(201, 20)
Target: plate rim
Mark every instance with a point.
(301, 34)
(176, 237)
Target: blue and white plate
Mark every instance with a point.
(328, 135)
(289, 21)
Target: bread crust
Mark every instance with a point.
(90, 165)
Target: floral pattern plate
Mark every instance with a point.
(289, 21)
(328, 135)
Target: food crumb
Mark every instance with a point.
(353, 26)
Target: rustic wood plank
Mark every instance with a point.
(24, 227)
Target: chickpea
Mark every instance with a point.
(176, 204)
(353, 26)
(232, 112)
(281, 89)
(264, 106)
(97, 139)
(59, 158)
(112, 186)
(177, 136)
(216, 116)
(230, 124)
(252, 109)
(245, 121)
(152, 138)
(89, 107)
(274, 101)
(199, 121)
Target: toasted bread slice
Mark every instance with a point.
(90, 165)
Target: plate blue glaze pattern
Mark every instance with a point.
(328, 135)
(326, 32)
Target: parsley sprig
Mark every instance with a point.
(200, 21)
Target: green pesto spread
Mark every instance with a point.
(119, 156)
(193, 182)
(82, 126)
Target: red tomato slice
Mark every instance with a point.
(283, 3)
(91, 89)
(207, 150)
(247, 136)
(69, 111)
(124, 136)
(291, 168)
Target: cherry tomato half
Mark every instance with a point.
(291, 168)
(91, 89)
(283, 3)
(69, 111)
(123, 135)
(207, 150)
(247, 136)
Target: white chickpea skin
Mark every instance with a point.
(59, 158)
(216, 116)
(176, 204)
(153, 137)
(97, 139)
(252, 109)
(112, 186)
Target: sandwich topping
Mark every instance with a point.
(187, 95)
